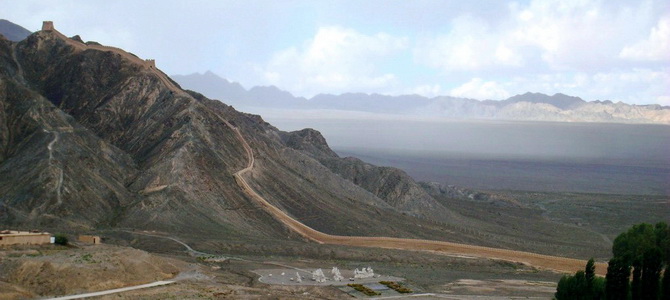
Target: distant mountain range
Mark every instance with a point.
(12, 31)
(526, 107)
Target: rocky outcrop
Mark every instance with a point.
(392, 185)
(310, 141)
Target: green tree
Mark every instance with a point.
(665, 285)
(583, 285)
(572, 287)
(590, 273)
(647, 249)
(616, 284)
(651, 274)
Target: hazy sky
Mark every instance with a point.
(610, 49)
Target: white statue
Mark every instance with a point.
(297, 276)
(337, 276)
(364, 273)
(318, 276)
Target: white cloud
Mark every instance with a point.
(655, 48)
(578, 35)
(477, 88)
(470, 45)
(336, 60)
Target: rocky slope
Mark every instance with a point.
(390, 184)
(525, 107)
(93, 137)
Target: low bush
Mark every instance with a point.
(60, 239)
(363, 289)
(397, 287)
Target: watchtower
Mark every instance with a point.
(151, 63)
(48, 26)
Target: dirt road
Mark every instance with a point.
(114, 291)
(560, 264)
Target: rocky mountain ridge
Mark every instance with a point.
(525, 107)
(92, 138)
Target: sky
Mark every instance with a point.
(598, 50)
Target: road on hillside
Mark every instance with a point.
(555, 263)
(561, 264)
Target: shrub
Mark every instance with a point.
(363, 289)
(60, 239)
(397, 287)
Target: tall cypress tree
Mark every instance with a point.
(665, 285)
(636, 284)
(651, 274)
(616, 285)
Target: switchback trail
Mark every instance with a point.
(555, 263)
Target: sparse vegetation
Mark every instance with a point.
(363, 289)
(397, 287)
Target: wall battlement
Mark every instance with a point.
(151, 63)
(48, 26)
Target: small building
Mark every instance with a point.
(33, 237)
(150, 63)
(48, 26)
(91, 239)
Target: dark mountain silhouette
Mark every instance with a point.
(12, 31)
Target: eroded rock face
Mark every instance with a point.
(93, 137)
(392, 185)
(310, 141)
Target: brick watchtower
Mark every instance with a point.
(48, 26)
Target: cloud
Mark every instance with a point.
(636, 86)
(477, 88)
(655, 48)
(578, 35)
(335, 60)
(468, 46)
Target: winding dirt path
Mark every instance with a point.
(560, 264)
(555, 263)
(59, 180)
